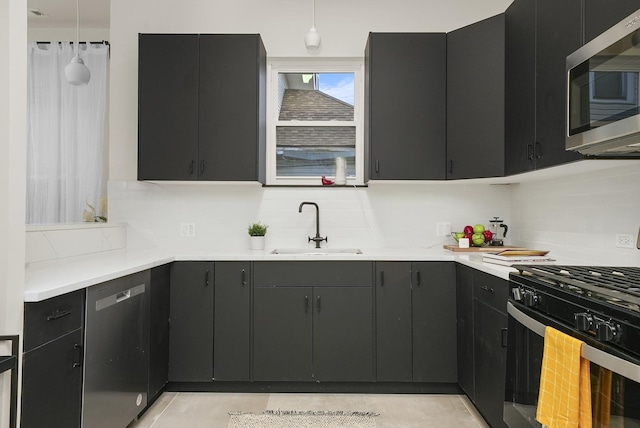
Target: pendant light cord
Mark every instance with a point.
(78, 27)
(313, 14)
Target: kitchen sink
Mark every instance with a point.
(317, 251)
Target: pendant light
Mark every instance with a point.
(312, 39)
(76, 72)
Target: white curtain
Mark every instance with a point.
(66, 127)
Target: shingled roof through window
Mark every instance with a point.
(308, 105)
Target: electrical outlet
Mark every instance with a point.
(187, 230)
(443, 228)
(624, 241)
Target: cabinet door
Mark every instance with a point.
(191, 334)
(406, 102)
(282, 334)
(434, 322)
(232, 321)
(490, 361)
(231, 106)
(393, 322)
(475, 100)
(464, 313)
(168, 107)
(558, 34)
(600, 15)
(343, 334)
(520, 90)
(52, 383)
(159, 313)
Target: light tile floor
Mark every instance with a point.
(210, 410)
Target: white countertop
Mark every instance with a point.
(44, 280)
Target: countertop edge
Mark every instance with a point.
(44, 280)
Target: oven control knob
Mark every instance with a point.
(605, 331)
(530, 298)
(583, 321)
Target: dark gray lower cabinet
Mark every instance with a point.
(415, 322)
(232, 321)
(394, 360)
(434, 322)
(282, 334)
(53, 361)
(482, 324)
(464, 312)
(159, 313)
(191, 332)
(313, 321)
(52, 383)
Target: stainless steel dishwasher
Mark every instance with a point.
(116, 352)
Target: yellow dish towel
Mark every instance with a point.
(564, 400)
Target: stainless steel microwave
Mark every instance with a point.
(603, 93)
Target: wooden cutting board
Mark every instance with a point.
(487, 249)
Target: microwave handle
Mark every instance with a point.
(601, 358)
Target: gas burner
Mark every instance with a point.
(619, 286)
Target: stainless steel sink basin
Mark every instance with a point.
(317, 251)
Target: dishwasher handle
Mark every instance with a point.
(119, 297)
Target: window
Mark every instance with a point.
(314, 116)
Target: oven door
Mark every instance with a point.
(615, 378)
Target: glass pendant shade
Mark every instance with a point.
(76, 72)
(312, 39)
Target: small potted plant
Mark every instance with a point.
(256, 235)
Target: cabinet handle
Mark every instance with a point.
(537, 150)
(529, 151)
(202, 163)
(57, 315)
(451, 166)
(381, 278)
(207, 275)
(418, 278)
(244, 277)
(504, 337)
(306, 303)
(191, 167)
(318, 306)
(78, 348)
(485, 288)
(377, 166)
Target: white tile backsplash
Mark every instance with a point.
(381, 215)
(59, 241)
(578, 216)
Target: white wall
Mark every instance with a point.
(13, 72)
(578, 216)
(343, 26)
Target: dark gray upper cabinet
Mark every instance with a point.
(600, 15)
(201, 107)
(539, 36)
(232, 321)
(405, 106)
(191, 333)
(168, 106)
(475, 100)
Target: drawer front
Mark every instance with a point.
(47, 320)
(491, 290)
(313, 274)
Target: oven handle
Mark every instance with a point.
(601, 358)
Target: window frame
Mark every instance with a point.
(313, 65)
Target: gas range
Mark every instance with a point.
(602, 302)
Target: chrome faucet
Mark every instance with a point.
(317, 239)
